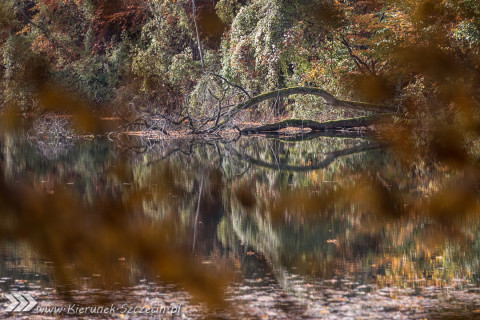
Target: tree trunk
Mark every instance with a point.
(329, 99)
(200, 49)
(316, 126)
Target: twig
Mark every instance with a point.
(359, 62)
(232, 84)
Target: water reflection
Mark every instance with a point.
(291, 219)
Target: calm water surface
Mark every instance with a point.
(252, 208)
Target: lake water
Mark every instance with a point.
(314, 227)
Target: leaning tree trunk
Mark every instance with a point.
(329, 99)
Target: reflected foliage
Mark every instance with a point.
(130, 209)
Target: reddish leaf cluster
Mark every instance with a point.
(114, 17)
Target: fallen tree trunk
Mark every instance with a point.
(316, 126)
(305, 136)
(329, 99)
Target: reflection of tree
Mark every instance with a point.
(52, 135)
(328, 231)
(83, 169)
(349, 240)
(330, 157)
(357, 228)
(52, 148)
(95, 231)
(284, 216)
(220, 165)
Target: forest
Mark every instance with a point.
(261, 159)
(147, 60)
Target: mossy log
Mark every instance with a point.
(316, 126)
(329, 99)
(312, 135)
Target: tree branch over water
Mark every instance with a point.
(328, 98)
(316, 126)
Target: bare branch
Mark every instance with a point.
(232, 84)
(359, 62)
